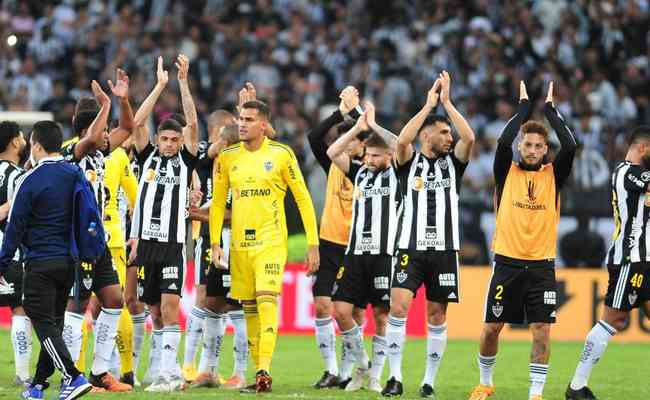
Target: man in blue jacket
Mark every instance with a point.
(40, 221)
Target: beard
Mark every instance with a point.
(23, 155)
(525, 165)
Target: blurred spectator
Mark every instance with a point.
(582, 247)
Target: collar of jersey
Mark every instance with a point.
(264, 143)
(49, 159)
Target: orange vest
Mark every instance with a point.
(527, 215)
(337, 213)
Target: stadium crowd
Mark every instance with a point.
(303, 53)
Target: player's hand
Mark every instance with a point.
(445, 87)
(161, 74)
(549, 95)
(4, 211)
(183, 65)
(5, 287)
(195, 198)
(218, 257)
(523, 94)
(349, 99)
(362, 123)
(246, 94)
(312, 260)
(101, 96)
(370, 113)
(121, 87)
(133, 243)
(434, 93)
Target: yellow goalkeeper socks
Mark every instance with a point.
(124, 341)
(81, 362)
(253, 330)
(267, 306)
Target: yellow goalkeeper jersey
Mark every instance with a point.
(118, 176)
(259, 182)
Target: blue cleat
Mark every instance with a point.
(33, 393)
(75, 389)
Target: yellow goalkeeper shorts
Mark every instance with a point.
(258, 270)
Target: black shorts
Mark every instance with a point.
(519, 294)
(202, 260)
(437, 270)
(162, 277)
(13, 275)
(95, 277)
(364, 279)
(331, 257)
(629, 286)
(218, 283)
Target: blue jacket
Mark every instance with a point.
(41, 214)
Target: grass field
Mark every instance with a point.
(621, 375)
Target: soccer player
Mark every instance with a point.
(12, 149)
(365, 273)
(429, 239)
(527, 202)
(159, 225)
(258, 171)
(627, 259)
(89, 152)
(334, 234)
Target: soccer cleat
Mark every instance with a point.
(97, 389)
(160, 384)
(26, 383)
(33, 393)
(393, 388)
(206, 380)
(75, 389)
(343, 383)
(327, 381)
(374, 385)
(190, 373)
(234, 382)
(176, 383)
(109, 382)
(536, 397)
(582, 394)
(481, 392)
(360, 376)
(427, 392)
(128, 379)
(263, 381)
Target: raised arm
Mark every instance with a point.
(142, 115)
(191, 131)
(503, 157)
(126, 125)
(404, 148)
(464, 146)
(349, 100)
(389, 137)
(336, 151)
(94, 137)
(564, 159)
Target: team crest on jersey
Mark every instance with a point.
(175, 162)
(88, 283)
(268, 166)
(150, 175)
(497, 310)
(645, 177)
(418, 183)
(91, 176)
(442, 163)
(401, 276)
(632, 298)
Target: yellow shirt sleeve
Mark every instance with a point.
(220, 185)
(128, 182)
(292, 175)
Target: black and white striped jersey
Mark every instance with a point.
(161, 208)
(10, 174)
(375, 210)
(93, 167)
(430, 188)
(631, 206)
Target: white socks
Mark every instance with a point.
(193, 332)
(240, 343)
(105, 332)
(538, 374)
(72, 333)
(486, 366)
(214, 330)
(138, 338)
(395, 334)
(21, 338)
(171, 337)
(594, 348)
(379, 352)
(155, 354)
(436, 345)
(353, 342)
(326, 340)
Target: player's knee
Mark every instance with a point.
(399, 309)
(322, 308)
(380, 315)
(132, 304)
(111, 297)
(541, 332)
(436, 313)
(491, 331)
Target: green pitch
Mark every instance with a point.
(622, 374)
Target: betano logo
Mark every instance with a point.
(255, 192)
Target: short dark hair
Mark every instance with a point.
(86, 104)
(85, 112)
(9, 130)
(537, 127)
(434, 119)
(180, 118)
(49, 135)
(170, 124)
(374, 140)
(639, 134)
(261, 107)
